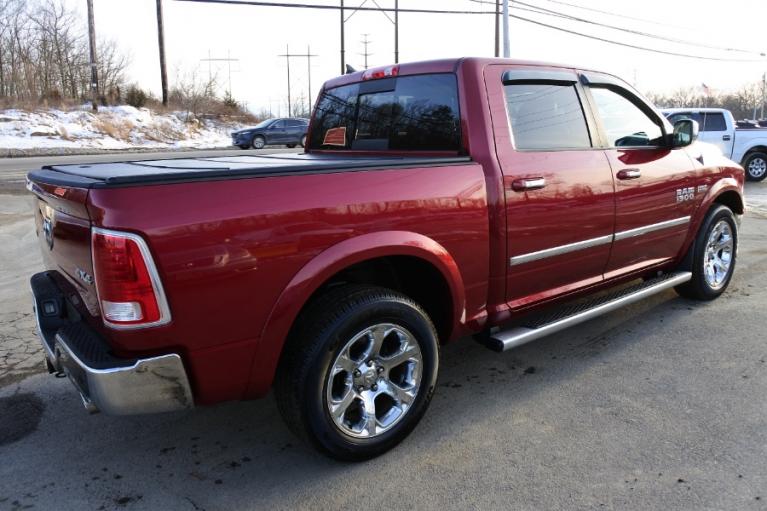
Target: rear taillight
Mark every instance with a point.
(128, 286)
(381, 72)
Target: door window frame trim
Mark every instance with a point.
(611, 83)
(562, 77)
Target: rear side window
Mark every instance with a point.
(410, 113)
(694, 116)
(546, 116)
(714, 122)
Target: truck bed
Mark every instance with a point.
(131, 173)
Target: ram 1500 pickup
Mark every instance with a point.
(434, 200)
(717, 126)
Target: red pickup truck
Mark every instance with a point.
(435, 200)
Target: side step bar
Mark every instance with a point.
(538, 326)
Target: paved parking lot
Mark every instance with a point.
(659, 406)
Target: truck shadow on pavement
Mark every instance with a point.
(237, 453)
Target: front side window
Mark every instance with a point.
(625, 124)
(409, 113)
(546, 116)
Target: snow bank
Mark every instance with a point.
(116, 127)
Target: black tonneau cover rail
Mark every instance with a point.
(132, 173)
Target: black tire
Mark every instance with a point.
(322, 332)
(258, 142)
(756, 166)
(699, 287)
(291, 146)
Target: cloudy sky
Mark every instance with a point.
(255, 36)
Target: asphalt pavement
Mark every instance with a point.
(660, 405)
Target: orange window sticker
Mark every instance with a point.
(335, 136)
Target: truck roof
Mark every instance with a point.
(448, 66)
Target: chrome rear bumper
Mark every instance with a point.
(106, 383)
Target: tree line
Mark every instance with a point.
(745, 103)
(44, 54)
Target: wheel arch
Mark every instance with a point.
(761, 148)
(375, 259)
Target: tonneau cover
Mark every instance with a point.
(99, 175)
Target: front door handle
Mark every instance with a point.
(629, 174)
(726, 138)
(523, 185)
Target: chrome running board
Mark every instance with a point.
(548, 322)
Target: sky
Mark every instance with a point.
(255, 36)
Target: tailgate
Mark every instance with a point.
(63, 230)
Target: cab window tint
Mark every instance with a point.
(409, 113)
(624, 123)
(546, 116)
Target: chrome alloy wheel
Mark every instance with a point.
(719, 252)
(374, 380)
(757, 167)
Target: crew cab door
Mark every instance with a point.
(558, 185)
(655, 185)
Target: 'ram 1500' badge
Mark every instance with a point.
(685, 194)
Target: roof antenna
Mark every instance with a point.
(350, 69)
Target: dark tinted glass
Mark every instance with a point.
(409, 113)
(714, 122)
(277, 125)
(624, 123)
(546, 116)
(686, 115)
(296, 123)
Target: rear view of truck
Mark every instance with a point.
(98, 279)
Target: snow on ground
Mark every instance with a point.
(114, 127)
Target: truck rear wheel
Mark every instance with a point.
(358, 372)
(713, 256)
(756, 166)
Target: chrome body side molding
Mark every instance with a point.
(595, 242)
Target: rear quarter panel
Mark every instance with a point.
(226, 250)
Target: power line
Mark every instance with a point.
(627, 45)
(333, 7)
(541, 10)
(517, 4)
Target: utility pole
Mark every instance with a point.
(497, 28)
(366, 42)
(94, 68)
(764, 93)
(506, 41)
(343, 41)
(396, 31)
(308, 56)
(161, 41)
(228, 61)
(309, 75)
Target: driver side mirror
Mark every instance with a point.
(685, 133)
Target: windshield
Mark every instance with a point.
(409, 113)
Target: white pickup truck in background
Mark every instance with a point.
(717, 126)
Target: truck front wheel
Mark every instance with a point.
(713, 256)
(756, 166)
(358, 372)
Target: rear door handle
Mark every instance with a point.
(726, 138)
(523, 185)
(629, 174)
